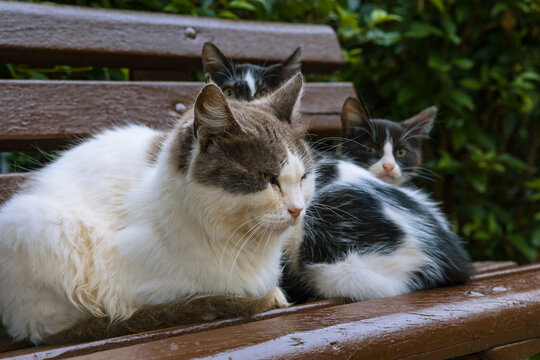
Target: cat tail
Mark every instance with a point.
(160, 316)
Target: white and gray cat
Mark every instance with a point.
(136, 221)
(364, 238)
(246, 81)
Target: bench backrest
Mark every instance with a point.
(48, 114)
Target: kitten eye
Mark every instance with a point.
(372, 150)
(401, 152)
(259, 94)
(304, 177)
(230, 93)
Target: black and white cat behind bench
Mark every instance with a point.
(246, 81)
(364, 238)
(390, 150)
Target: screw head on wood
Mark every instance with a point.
(179, 107)
(191, 32)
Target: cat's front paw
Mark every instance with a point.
(278, 299)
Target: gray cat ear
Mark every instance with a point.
(286, 69)
(353, 115)
(292, 64)
(214, 61)
(286, 100)
(212, 115)
(422, 122)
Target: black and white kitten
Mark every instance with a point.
(364, 238)
(390, 150)
(247, 81)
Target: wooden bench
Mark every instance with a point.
(496, 316)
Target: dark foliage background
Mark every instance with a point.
(478, 61)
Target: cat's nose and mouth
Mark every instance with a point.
(295, 211)
(388, 167)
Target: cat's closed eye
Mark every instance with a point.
(304, 177)
(272, 179)
(230, 93)
(260, 93)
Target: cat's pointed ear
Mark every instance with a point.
(212, 115)
(214, 61)
(286, 69)
(286, 100)
(422, 122)
(353, 114)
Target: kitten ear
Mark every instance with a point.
(422, 122)
(212, 115)
(353, 114)
(286, 100)
(285, 69)
(214, 61)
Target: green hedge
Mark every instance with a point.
(478, 61)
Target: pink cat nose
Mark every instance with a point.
(295, 212)
(388, 167)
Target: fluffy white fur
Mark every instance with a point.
(103, 231)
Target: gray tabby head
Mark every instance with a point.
(390, 150)
(249, 155)
(247, 81)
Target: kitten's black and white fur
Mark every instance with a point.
(364, 238)
(247, 81)
(390, 150)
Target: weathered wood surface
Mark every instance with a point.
(45, 114)
(490, 316)
(39, 34)
(9, 183)
(520, 350)
(440, 323)
(25, 351)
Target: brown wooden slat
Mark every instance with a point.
(46, 113)
(9, 183)
(39, 34)
(490, 266)
(55, 352)
(515, 351)
(439, 323)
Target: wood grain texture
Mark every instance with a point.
(440, 323)
(24, 350)
(38, 34)
(9, 184)
(516, 351)
(46, 114)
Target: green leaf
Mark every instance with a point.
(513, 161)
(380, 16)
(437, 63)
(498, 8)
(242, 5)
(421, 30)
(227, 14)
(439, 5)
(535, 238)
(478, 181)
(471, 83)
(463, 63)
(519, 242)
(461, 98)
